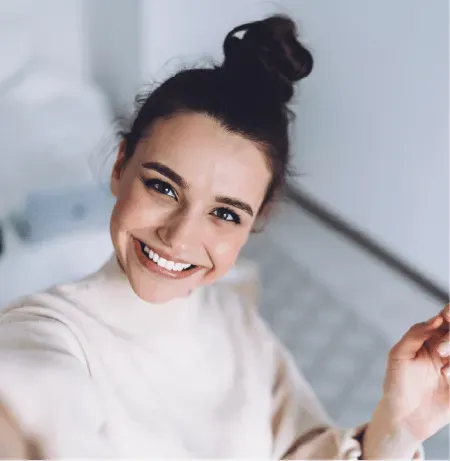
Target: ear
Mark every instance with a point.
(118, 169)
(263, 216)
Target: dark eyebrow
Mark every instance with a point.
(167, 172)
(177, 179)
(236, 203)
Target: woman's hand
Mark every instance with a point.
(417, 385)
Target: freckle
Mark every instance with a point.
(222, 248)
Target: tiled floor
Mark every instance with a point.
(339, 311)
(371, 289)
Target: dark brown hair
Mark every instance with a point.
(247, 94)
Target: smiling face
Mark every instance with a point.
(189, 195)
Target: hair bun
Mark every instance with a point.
(268, 55)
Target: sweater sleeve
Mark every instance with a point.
(46, 387)
(301, 427)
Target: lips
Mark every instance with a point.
(164, 262)
(159, 269)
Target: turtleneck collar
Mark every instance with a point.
(110, 298)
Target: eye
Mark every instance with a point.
(161, 187)
(227, 215)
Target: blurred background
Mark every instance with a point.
(360, 250)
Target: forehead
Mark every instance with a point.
(198, 148)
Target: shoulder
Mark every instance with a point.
(41, 321)
(47, 307)
(57, 303)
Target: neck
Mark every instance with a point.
(113, 301)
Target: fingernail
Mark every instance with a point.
(444, 349)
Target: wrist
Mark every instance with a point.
(387, 437)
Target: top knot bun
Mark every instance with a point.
(268, 57)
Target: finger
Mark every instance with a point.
(414, 339)
(444, 328)
(435, 322)
(441, 320)
(445, 370)
(443, 345)
(445, 313)
(441, 331)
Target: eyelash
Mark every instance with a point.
(152, 183)
(236, 219)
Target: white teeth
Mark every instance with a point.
(162, 262)
(169, 265)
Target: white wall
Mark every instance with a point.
(176, 32)
(62, 35)
(371, 135)
(49, 31)
(52, 118)
(114, 48)
(84, 39)
(59, 35)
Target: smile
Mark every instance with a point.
(162, 262)
(158, 265)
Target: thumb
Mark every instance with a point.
(414, 339)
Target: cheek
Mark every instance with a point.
(222, 248)
(225, 252)
(134, 210)
(225, 255)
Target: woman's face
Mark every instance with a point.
(186, 202)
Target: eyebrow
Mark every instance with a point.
(177, 179)
(235, 203)
(167, 172)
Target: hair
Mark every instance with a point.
(247, 94)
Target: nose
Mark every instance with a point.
(180, 233)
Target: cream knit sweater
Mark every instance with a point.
(92, 370)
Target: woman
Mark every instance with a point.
(148, 357)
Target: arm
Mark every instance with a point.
(301, 427)
(389, 439)
(46, 388)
